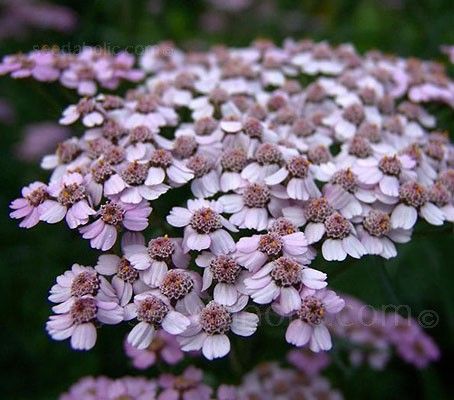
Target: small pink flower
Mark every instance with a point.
(204, 225)
(87, 109)
(188, 386)
(112, 216)
(308, 325)
(154, 312)
(164, 348)
(27, 207)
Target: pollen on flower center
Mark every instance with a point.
(303, 127)
(215, 319)
(140, 134)
(354, 114)
(71, 194)
(126, 272)
(101, 171)
(112, 213)
(268, 153)
(256, 195)
(286, 272)
(114, 154)
(318, 154)
(161, 248)
(359, 147)
(346, 179)
(282, 226)
(161, 158)
(298, 166)
(311, 311)
(447, 179)
(439, 194)
(205, 220)
(377, 223)
(184, 146)
(176, 284)
(234, 160)
(152, 310)
(83, 310)
(337, 226)
(135, 173)
(317, 210)
(225, 269)
(270, 244)
(37, 196)
(253, 128)
(200, 164)
(205, 126)
(85, 283)
(390, 165)
(413, 194)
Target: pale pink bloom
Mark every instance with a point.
(307, 361)
(232, 160)
(111, 71)
(346, 121)
(154, 312)
(210, 325)
(225, 274)
(187, 386)
(443, 199)
(77, 319)
(27, 207)
(206, 182)
(125, 278)
(81, 281)
(309, 323)
(112, 217)
(154, 260)
(71, 202)
(299, 180)
(38, 64)
(252, 208)
(280, 281)
(254, 251)
(134, 182)
(268, 158)
(204, 226)
(164, 348)
(414, 200)
(87, 109)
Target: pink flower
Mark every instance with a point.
(206, 181)
(76, 319)
(164, 347)
(307, 361)
(154, 312)
(112, 216)
(280, 281)
(153, 261)
(27, 207)
(210, 325)
(204, 225)
(71, 202)
(87, 109)
(188, 386)
(308, 325)
(163, 165)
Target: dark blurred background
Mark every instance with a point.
(33, 366)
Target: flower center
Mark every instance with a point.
(413, 194)
(359, 147)
(256, 195)
(71, 194)
(83, 310)
(318, 154)
(370, 131)
(114, 154)
(390, 165)
(354, 113)
(286, 272)
(234, 160)
(225, 269)
(85, 283)
(67, 151)
(152, 310)
(317, 210)
(346, 179)
(447, 179)
(86, 106)
(37, 196)
(253, 128)
(126, 272)
(435, 150)
(377, 223)
(200, 164)
(112, 213)
(101, 171)
(439, 194)
(161, 248)
(282, 226)
(337, 226)
(312, 311)
(184, 146)
(112, 130)
(140, 134)
(147, 104)
(215, 319)
(176, 284)
(268, 153)
(205, 126)
(135, 173)
(205, 220)
(303, 127)
(270, 244)
(298, 166)
(161, 158)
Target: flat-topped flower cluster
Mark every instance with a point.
(286, 153)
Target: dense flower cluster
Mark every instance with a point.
(287, 153)
(266, 381)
